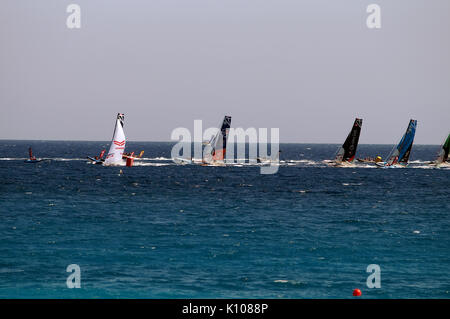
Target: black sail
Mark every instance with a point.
(348, 150)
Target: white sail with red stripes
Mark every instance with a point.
(117, 148)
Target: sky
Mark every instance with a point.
(306, 67)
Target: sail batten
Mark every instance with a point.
(117, 147)
(347, 151)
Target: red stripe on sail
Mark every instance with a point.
(119, 143)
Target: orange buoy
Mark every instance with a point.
(357, 293)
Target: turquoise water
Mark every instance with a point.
(160, 230)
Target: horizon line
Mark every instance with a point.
(147, 141)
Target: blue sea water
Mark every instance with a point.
(160, 230)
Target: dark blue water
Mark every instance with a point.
(160, 230)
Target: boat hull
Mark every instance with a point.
(32, 161)
(441, 165)
(95, 161)
(342, 164)
(384, 165)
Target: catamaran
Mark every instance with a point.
(346, 153)
(400, 154)
(442, 158)
(116, 150)
(214, 152)
(116, 155)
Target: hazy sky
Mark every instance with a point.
(308, 67)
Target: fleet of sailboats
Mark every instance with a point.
(214, 151)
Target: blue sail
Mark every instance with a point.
(401, 153)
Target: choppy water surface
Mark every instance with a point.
(161, 230)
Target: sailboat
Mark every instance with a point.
(346, 153)
(442, 158)
(214, 152)
(32, 159)
(400, 154)
(117, 148)
(116, 155)
(98, 159)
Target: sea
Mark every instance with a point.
(163, 230)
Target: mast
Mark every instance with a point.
(347, 151)
(403, 150)
(117, 147)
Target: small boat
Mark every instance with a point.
(99, 160)
(183, 161)
(442, 159)
(400, 154)
(268, 160)
(32, 159)
(370, 159)
(215, 150)
(346, 153)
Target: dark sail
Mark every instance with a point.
(348, 150)
(215, 150)
(403, 150)
(405, 158)
(221, 148)
(446, 148)
(443, 153)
